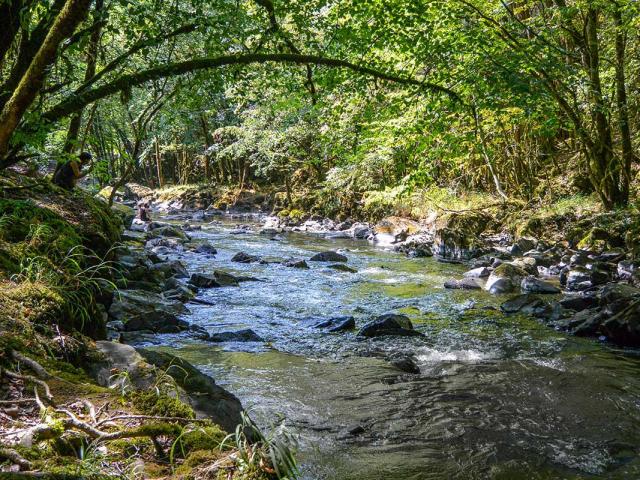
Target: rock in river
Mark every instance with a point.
(505, 279)
(245, 335)
(389, 324)
(464, 284)
(143, 310)
(206, 249)
(479, 272)
(532, 284)
(342, 268)
(295, 263)
(242, 257)
(337, 324)
(218, 279)
(328, 256)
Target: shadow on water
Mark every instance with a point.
(498, 397)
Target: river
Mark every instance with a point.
(497, 397)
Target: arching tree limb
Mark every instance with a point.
(79, 101)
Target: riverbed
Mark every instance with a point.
(498, 397)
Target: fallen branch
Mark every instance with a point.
(15, 457)
(151, 417)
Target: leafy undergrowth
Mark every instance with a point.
(54, 256)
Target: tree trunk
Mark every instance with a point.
(622, 105)
(159, 164)
(605, 171)
(25, 93)
(92, 56)
(207, 143)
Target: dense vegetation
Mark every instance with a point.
(337, 99)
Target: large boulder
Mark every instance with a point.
(624, 327)
(479, 272)
(295, 263)
(457, 236)
(125, 212)
(341, 267)
(523, 245)
(143, 310)
(328, 256)
(135, 191)
(416, 246)
(206, 398)
(168, 231)
(119, 358)
(206, 248)
(173, 268)
(527, 304)
(389, 324)
(202, 280)
(578, 278)
(505, 279)
(215, 280)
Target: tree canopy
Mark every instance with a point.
(349, 96)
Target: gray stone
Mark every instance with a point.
(206, 398)
(295, 263)
(532, 284)
(464, 284)
(480, 272)
(337, 324)
(342, 268)
(578, 278)
(505, 279)
(242, 257)
(389, 324)
(328, 256)
(244, 335)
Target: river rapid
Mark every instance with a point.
(497, 397)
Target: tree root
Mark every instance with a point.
(38, 369)
(15, 457)
(30, 379)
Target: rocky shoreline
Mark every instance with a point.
(583, 291)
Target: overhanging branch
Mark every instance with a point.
(77, 102)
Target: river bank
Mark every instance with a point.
(589, 256)
(75, 405)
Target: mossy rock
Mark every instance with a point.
(457, 235)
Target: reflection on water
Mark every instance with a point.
(498, 397)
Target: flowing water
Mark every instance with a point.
(497, 397)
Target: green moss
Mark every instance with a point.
(196, 459)
(157, 429)
(164, 405)
(203, 438)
